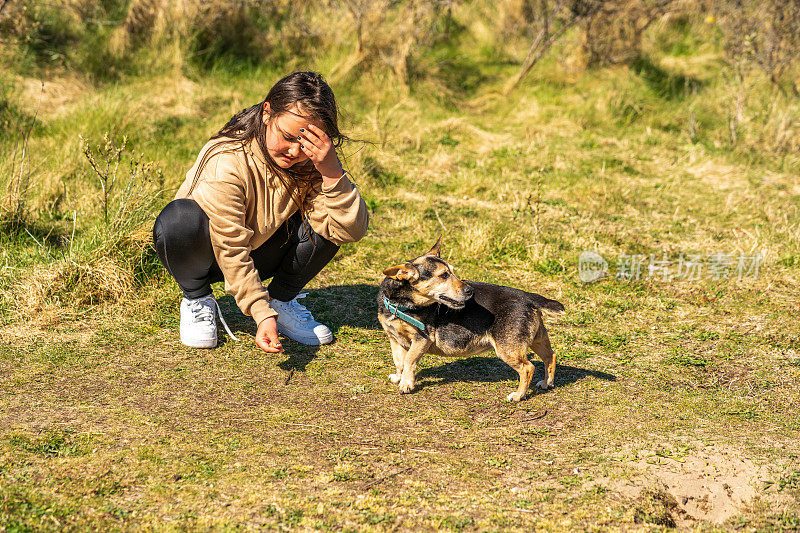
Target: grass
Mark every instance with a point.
(107, 421)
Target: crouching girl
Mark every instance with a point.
(266, 198)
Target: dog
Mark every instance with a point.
(425, 308)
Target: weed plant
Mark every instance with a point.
(106, 258)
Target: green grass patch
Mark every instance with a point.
(59, 443)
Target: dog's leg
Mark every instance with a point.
(397, 354)
(517, 358)
(545, 352)
(410, 359)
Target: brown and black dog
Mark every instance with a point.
(425, 308)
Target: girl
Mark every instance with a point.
(266, 198)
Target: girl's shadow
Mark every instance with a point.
(337, 306)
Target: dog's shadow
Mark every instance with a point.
(488, 369)
(341, 306)
(337, 306)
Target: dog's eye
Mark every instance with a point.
(444, 275)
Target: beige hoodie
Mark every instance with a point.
(246, 204)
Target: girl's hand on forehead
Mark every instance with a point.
(316, 144)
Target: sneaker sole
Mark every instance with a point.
(199, 343)
(307, 340)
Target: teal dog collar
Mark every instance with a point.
(397, 311)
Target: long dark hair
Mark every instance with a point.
(314, 98)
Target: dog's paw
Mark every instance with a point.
(406, 386)
(513, 397)
(394, 378)
(543, 385)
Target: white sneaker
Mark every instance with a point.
(297, 323)
(198, 322)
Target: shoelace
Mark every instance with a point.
(299, 309)
(200, 312)
(203, 313)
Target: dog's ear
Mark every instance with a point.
(437, 248)
(402, 272)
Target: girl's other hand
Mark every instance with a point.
(316, 144)
(267, 336)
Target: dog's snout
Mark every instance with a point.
(468, 290)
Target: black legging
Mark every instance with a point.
(292, 256)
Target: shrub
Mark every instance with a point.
(614, 33)
(765, 34)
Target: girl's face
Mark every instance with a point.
(282, 132)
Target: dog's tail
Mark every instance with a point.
(541, 302)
